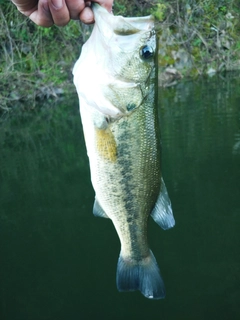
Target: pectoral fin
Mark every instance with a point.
(162, 212)
(106, 144)
(98, 210)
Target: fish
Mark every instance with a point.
(116, 81)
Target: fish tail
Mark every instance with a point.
(143, 275)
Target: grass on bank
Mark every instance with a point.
(199, 37)
(35, 62)
(195, 37)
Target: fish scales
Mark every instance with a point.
(135, 178)
(121, 130)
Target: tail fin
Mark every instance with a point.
(143, 275)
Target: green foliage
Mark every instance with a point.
(159, 10)
(194, 36)
(197, 42)
(238, 45)
(134, 8)
(34, 56)
(128, 8)
(199, 35)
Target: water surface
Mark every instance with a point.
(58, 262)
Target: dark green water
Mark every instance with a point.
(58, 262)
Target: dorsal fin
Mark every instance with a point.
(162, 213)
(98, 210)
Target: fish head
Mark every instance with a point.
(117, 63)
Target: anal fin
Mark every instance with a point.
(98, 210)
(162, 213)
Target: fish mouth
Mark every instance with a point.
(121, 25)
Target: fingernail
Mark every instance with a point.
(57, 3)
(86, 16)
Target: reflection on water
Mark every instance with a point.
(59, 262)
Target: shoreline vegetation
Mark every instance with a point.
(196, 37)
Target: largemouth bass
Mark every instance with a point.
(116, 80)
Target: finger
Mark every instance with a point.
(86, 16)
(25, 6)
(59, 11)
(75, 7)
(42, 15)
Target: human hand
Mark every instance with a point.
(45, 13)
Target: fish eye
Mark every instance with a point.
(146, 52)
